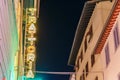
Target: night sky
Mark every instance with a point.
(57, 24)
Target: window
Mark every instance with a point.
(88, 38)
(116, 36)
(96, 78)
(85, 45)
(81, 56)
(90, 34)
(87, 69)
(118, 76)
(83, 75)
(107, 55)
(77, 65)
(92, 59)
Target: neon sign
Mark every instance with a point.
(32, 29)
(30, 74)
(30, 57)
(30, 43)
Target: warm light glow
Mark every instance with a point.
(30, 57)
(32, 28)
(31, 19)
(31, 39)
(30, 74)
(31, 49)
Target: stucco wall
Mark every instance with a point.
(112, 71)
(97, 21)
(8, 38)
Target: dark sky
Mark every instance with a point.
(57, 24)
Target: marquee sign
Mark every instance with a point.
(31, 49)
(32, 28)
(30, 57)
(30, 39)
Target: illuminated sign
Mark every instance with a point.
(30, 39)
(30, 74)
(30, 57)
(31, 19)
(32, 28)
(31, 49)
(31, 15)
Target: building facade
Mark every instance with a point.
(95, 51)
(109, 46)
(29, 22)
(13, 29)
(8, 39)
(18, 63)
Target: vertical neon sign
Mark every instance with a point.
(30, 49)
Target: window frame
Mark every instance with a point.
(107, 54)
(92, 60)
(116, 36)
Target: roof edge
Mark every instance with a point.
(77, 31)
